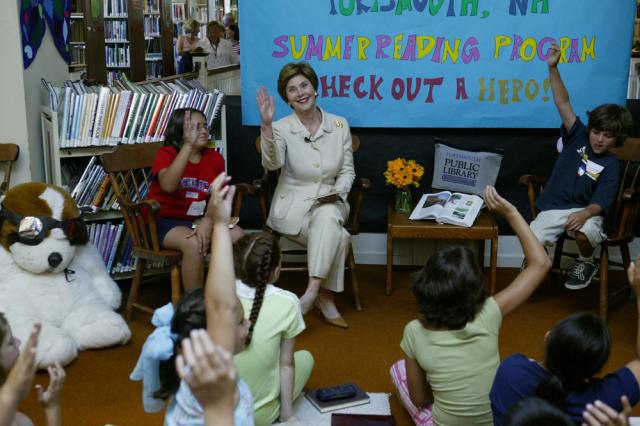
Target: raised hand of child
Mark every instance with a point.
(600, 414)
(221, 198)
(50, 398)
(553, 55)
(20, 378)
(189, 130)
(209, 371)
(633, 275)
(266, 106)
(496, 203)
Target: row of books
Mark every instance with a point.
(178, 12)
(106, 236)
(154, 69)
(78, 54)
(115, 30)
(117, 55)
(125, 112)
(115, 8)
(151, 6)
(116, 247)
(151, 25)
(115, 75)
(90, 186)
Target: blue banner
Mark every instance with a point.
(439, 63)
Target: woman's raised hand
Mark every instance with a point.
(496, 203)
(189, 130)
(221, 198)
(266, 106)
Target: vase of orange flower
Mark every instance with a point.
(402, 174)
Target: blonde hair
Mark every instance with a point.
(191, 26)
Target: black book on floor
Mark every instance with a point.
(341, 419)
(359, 398)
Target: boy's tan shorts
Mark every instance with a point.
(549, 225)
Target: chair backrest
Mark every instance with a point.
(129, 170)
(8, 155)
(624, 220)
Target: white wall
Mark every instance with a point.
(22, 93)
(13, 121)
(49, 65)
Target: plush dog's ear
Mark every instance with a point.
(76, 232)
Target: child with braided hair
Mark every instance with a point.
(274, 373)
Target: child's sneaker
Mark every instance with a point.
(581, 275)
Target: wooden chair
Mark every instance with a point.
(8, 155)
(129, 170)
(618, 225)
(265, 188)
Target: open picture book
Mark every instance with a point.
(453, 208)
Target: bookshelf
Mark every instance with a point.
(122, 37)
(73, 162)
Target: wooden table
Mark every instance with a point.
(485, 228)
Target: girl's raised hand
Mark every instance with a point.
(20, 377)
(208, 370)
(495, 202)
(221, 198)
(266, 106)
(50, 397)
(189, 130)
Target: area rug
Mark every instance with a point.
(308, 415)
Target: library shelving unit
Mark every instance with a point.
(153, 39)
(65, 166)
(77, 39)
(132, 37)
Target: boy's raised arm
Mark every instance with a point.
(560, 93)
(220, 291)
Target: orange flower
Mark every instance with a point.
(401, 172)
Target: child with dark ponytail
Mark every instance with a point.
(577, 348)
(216, 309)
(274, 373)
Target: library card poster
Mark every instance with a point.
(439, 63)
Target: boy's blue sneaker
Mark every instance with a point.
(581, 275)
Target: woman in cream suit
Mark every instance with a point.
(313, 149)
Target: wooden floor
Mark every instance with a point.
(98, 391)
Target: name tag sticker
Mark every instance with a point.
(196, 208)
(594, 170)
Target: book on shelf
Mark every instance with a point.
(454, 208)
(114, 245)
(360, 398)
(344, 419)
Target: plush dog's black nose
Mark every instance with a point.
(54, 259)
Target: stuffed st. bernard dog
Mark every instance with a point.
(49, 272)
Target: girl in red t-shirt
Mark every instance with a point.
(183, 171)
